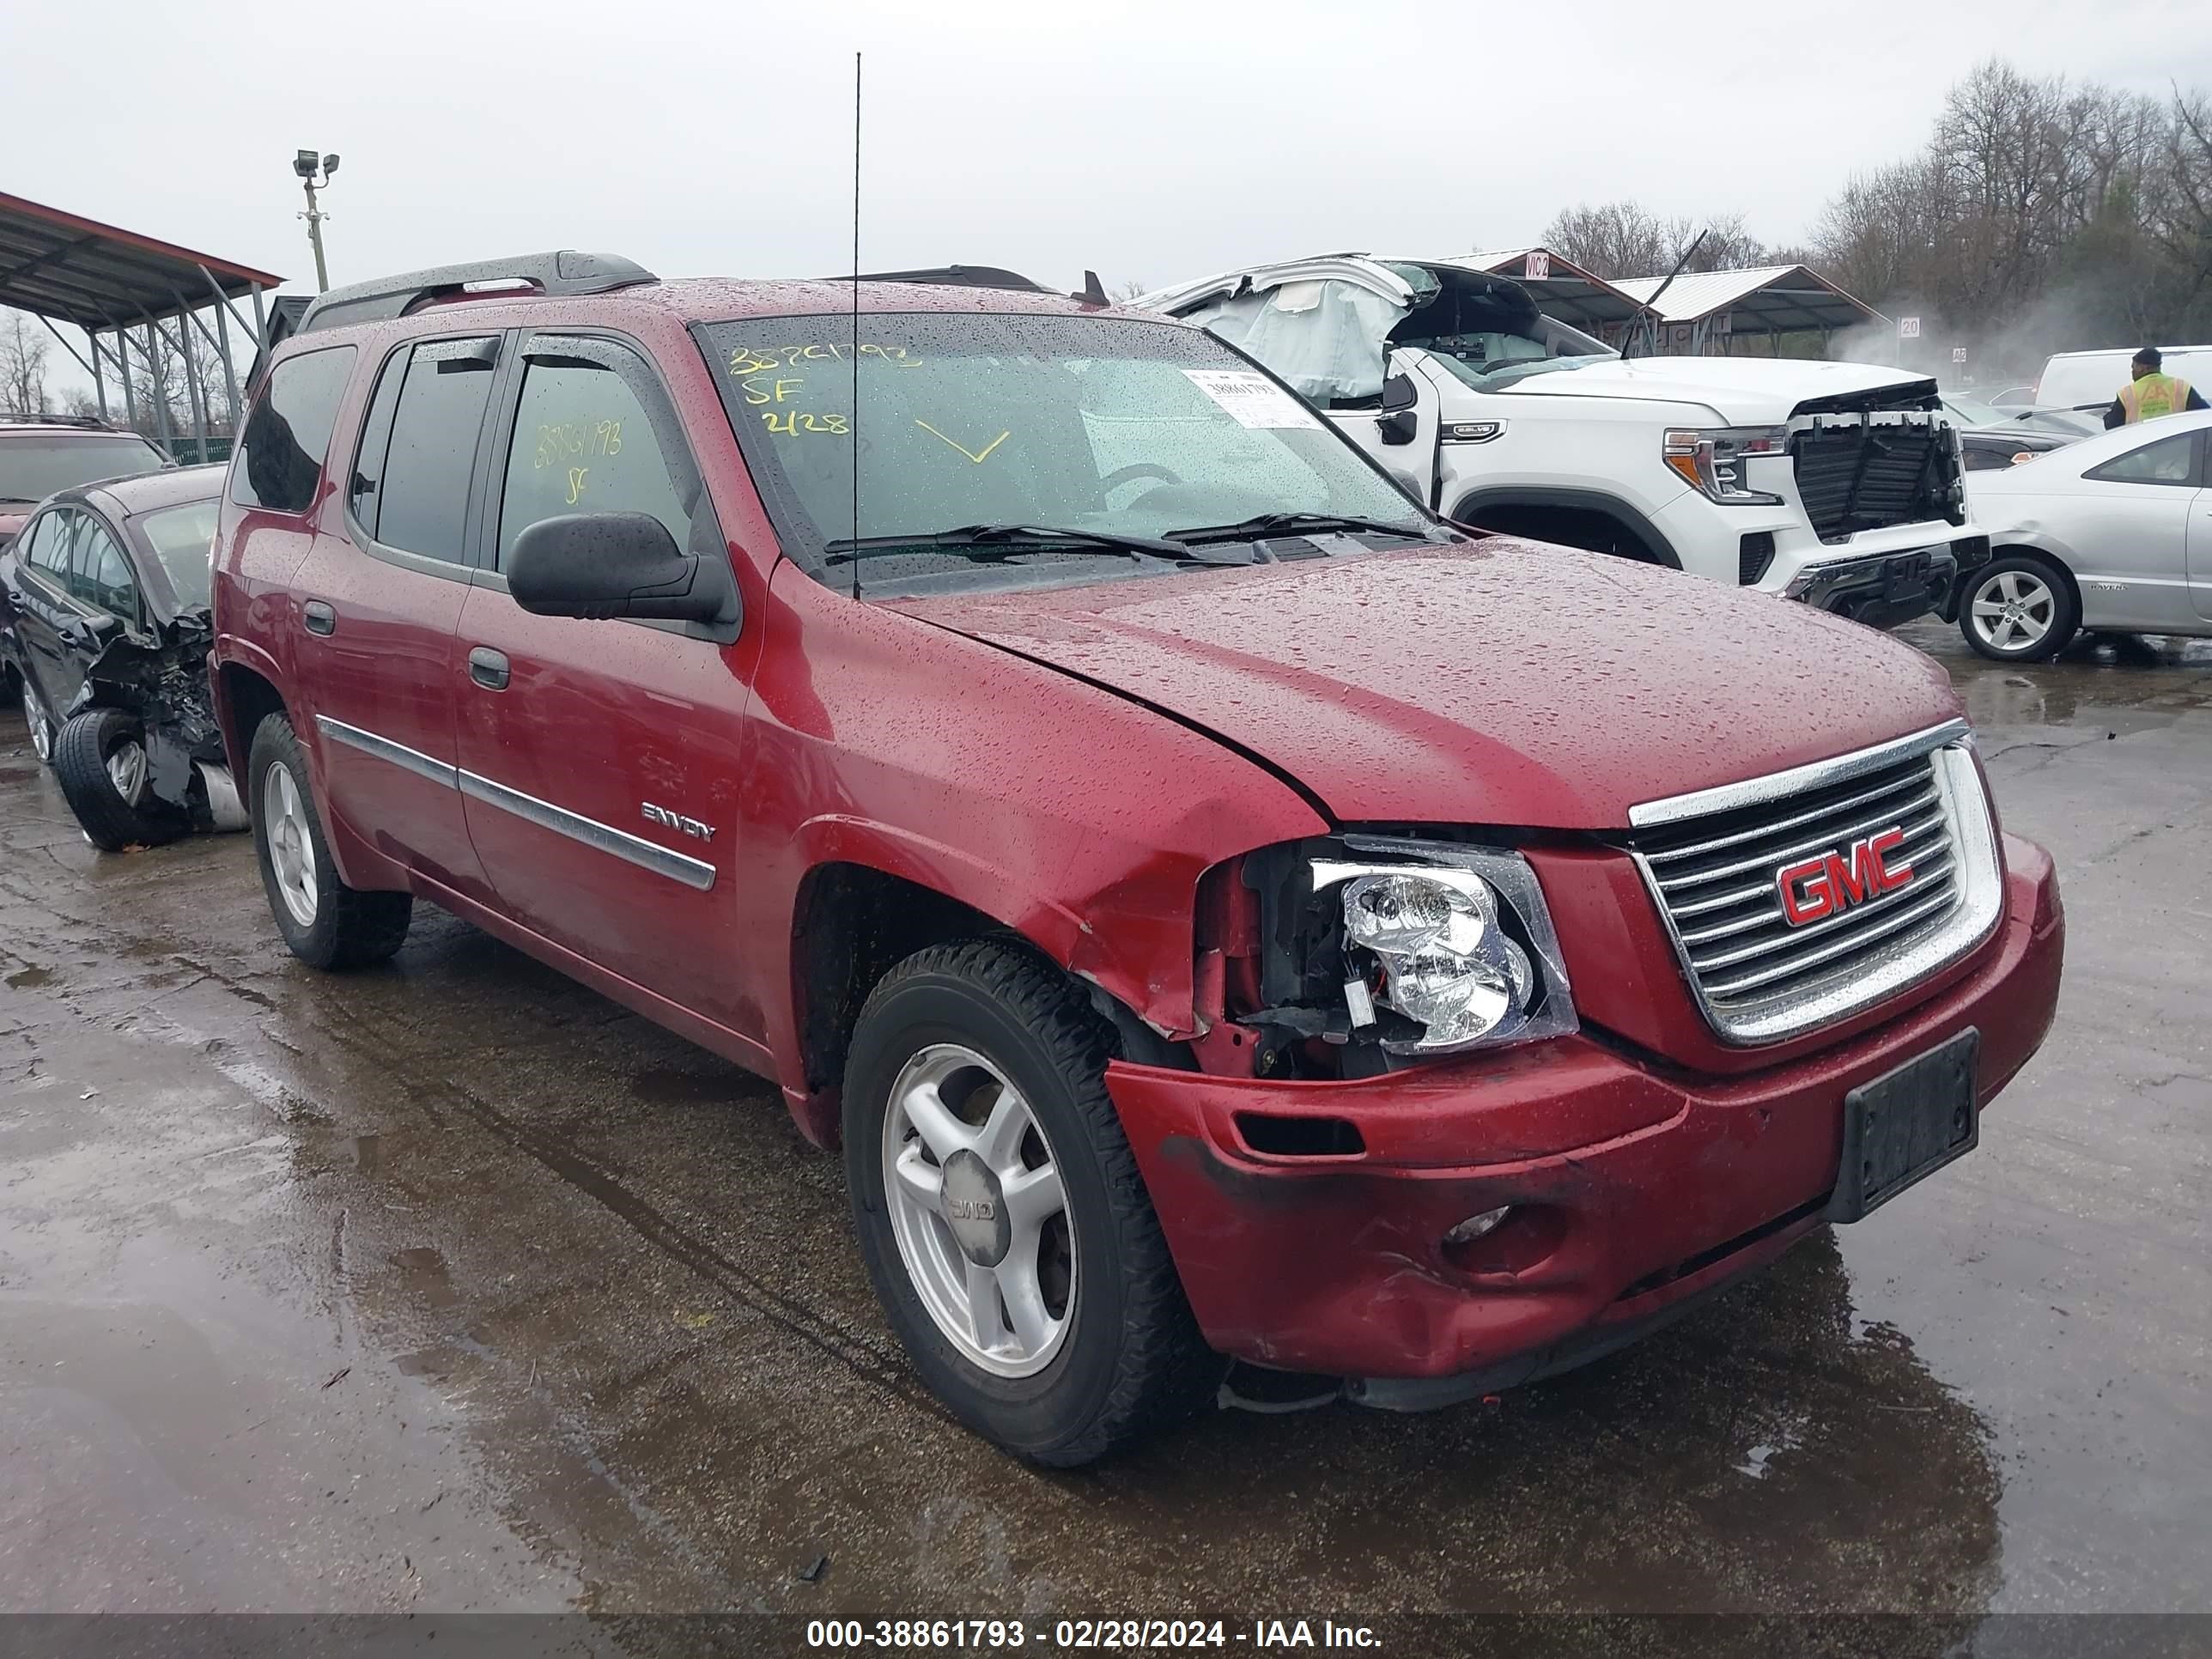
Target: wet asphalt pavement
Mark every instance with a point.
(453, 1286)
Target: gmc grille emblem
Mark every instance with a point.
(1834, 882)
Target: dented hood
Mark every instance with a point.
(1488, 682)
(1743, 390)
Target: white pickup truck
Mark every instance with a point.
(1835, 484)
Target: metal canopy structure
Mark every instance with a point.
(1706, 310)
(133, 296)
(1560, 288)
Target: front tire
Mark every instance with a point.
(1001, 1212)
(2018, 608)
(101, 763)
(326, 923)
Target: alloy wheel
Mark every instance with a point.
(2013, 611)
(291, 849)
(126, 770)
(979, 1210)
(42, 735)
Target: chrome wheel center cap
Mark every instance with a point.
(976, 1210)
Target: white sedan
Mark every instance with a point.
(2113, 534)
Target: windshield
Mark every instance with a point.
(1100, 426)
(32, 469)
(1966, 412)
(181, 537)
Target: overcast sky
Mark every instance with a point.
(1150, 141)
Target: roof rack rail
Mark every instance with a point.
(88, 423)
(555, 275)
(951, 277)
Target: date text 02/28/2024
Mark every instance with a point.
(1072, 1635)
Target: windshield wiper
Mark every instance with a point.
(1283, 523)
(997, 541)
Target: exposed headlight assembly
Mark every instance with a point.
(1454, 940)
(1711, 460)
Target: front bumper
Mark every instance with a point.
(1634, 1189)
(1886, 589)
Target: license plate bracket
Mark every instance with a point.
(1905, 1125)
(1905, 572)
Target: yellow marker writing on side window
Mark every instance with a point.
(576, 483)
(973, 455)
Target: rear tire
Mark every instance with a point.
(326, 923)
(99, 758)
(1076, 1339)
(2019, 607)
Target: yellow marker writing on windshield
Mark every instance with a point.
(975, 456)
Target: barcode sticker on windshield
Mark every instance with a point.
(1253, 398)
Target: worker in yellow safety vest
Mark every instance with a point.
(2152, 394)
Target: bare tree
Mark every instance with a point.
(1728, 244)
(162, 383)
(1619, 239)
(2039, 216)
(1626, 239)
(22, 364)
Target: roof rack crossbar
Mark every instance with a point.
(560, 274)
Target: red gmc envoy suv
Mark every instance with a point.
(1222, 910)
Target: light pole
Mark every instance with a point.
(307, 164)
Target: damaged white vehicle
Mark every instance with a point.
(1835, 483)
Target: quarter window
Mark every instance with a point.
(2169, 461)
(46, 545)
(592, 434)
(280, 457)
(427, 467)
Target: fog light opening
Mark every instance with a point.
(1476, 1225)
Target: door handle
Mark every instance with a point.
(488, 668)
(318, 617)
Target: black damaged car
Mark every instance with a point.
(103, 618)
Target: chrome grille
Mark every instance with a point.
(1714, 863)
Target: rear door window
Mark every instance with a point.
(593, 433)
(426, 468)
(280, 456)
(100, 574)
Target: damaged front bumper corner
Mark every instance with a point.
(163, 681)
(1885, 589)
(1475, 1224)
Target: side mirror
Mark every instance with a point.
(609, 564)
(1398, 423)
(90, 632)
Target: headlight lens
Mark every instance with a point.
(1458, 943)
(1711, 460)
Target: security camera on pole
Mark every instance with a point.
(307, 164)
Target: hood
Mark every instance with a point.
(1743, 390)
(1488, 682)
(12, 520)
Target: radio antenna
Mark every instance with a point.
(854, 439)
